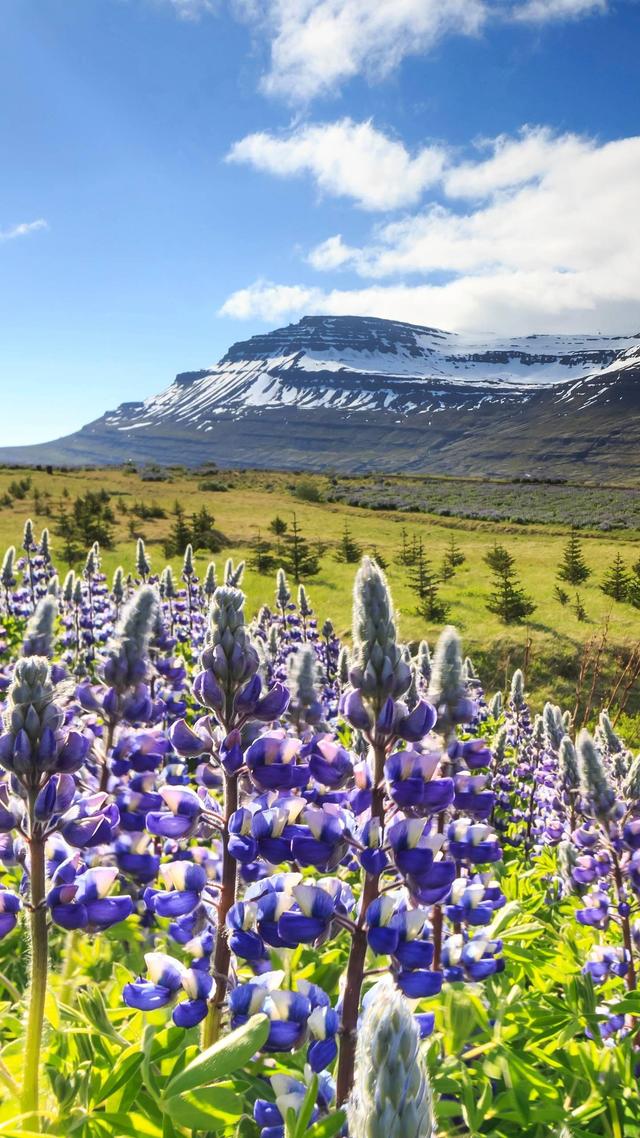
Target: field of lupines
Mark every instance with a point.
(259, 884)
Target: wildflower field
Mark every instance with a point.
(283, 862)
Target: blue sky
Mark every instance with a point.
(179, 174)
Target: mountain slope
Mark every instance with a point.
(359, 393)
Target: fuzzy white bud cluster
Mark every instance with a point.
(391, 1096)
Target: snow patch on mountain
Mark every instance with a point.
(361, 364)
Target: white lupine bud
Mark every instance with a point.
(39, 633)
(7, 578)
(516, 694)
(344, 664)
(447, 687)
(500, 744)
(53, 588)
(378, 668)
(495, 707)
(28, 539)
(553, 726)
(568, 764)
(302, 676)
(209, 584)
(117, 589)
(631, 784)
(423, 661)
(167, 583)
(187, 563)
(283, 592)
(303, 602)
(45, 546)
(391, 1096)
(606, 737)
(143, 565)
(594, 785)
(233, 574)
(92, 563)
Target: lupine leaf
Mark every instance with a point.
(224, 1058)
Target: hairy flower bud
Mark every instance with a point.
(378, 668)
(516, 693)
(391, 1096)
(127, 662)
(594, 785)
(39, 634)
(568, 764)
(447, 690)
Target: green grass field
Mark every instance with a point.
(550, 644)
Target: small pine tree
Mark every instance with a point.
(616, 581)
(179, 534)
(573, 567)
(579, 609)
(498, 558)
(561, 595)
(508, 601)
(261, 559)
(379, 559)
(297, 557)
(425, 584)
(348, 550)
(278, 528)
(453, 559)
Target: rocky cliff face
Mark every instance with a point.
(361, 393)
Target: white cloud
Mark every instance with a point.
(504, 303)
(548, 242)
(317, 45)
(542, 11)
(331, 254)
(23, 229)
(194, 9)
(347, 159)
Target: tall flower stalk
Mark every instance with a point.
(378, 676)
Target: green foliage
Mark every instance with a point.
(425, 584)
(296, 556)
(90, 519)
(573, 568)
(616, 581)
(508, 601)
(348, 550)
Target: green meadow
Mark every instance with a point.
(552, 645)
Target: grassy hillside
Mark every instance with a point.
(551, 644)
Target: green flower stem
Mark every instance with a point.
(227, 898)
(71, 943)
(39, 967)
(358, 953)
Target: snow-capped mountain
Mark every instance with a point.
(360, 393)
(360, 364)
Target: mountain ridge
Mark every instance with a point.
(363, 393)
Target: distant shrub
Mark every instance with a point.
(213, 486)
(307, 491)
(146, 510)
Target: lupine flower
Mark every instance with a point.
(82, 900)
